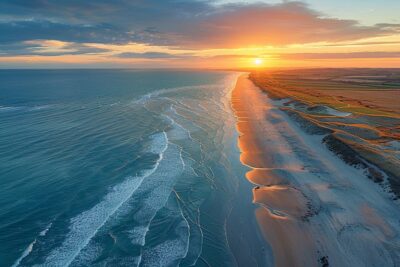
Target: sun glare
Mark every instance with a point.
(258, 61)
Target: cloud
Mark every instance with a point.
(177, 23)
(151, 55)
(303, 56)
(367, 43)
(281, 24)
(102, 21)
(17, 31)
(47, 48)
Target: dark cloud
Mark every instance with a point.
(84, 49)
(151, 55)
(119, 21)
(178, 23)
(46, 30)
(37, 49)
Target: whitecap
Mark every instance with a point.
(145, 98)
(9, 108)
(26, 252)
(85, 226)
(36, 108)
(44, 232)
(23, 108)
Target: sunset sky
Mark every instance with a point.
(199, 34)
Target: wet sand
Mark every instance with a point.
(278, 202)
(313, 208)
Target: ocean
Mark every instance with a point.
(122, 168)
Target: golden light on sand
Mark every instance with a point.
(258, 61)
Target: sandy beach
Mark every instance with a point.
(313, 208)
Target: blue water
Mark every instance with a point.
(119, 168)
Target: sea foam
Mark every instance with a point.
(85, 226)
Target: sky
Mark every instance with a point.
(199, 33)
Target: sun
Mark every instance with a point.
(258, 61)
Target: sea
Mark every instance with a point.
(123, 168)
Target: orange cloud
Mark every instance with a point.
(299, 56)
(282, 24)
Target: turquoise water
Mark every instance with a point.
(121, 168)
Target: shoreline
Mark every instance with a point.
(276, 229)
(361, 133)
(307, 196)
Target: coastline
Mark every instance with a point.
(308, 198)
(364, 133)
